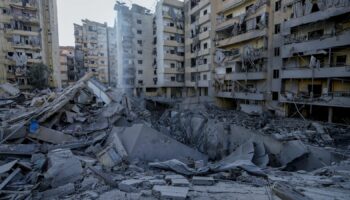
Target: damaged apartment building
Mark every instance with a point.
(92, 49)
(289, 57)
(169, 51)
(28, 36)
(68, 69)
(199, 50)
(134, 36)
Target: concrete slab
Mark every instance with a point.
(170, 192)
(130, 185)
(52, 136)
(203, 180)
(144, 143)
(182, 182)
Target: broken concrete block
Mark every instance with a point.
(10, 89)
(115, 142)
(203, 180)
(130, 185)
(144, 143)
(170, 192)
(175, 176)
(157, 182)
(181, 182)
(89, 182)
(63, 168)
(52, 136)
(291, 151)
(109, 157)
(58, 192)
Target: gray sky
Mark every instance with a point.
(73, 11)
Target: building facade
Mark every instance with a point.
(92, 48)
(199, 47)
(28, 36)
(310, 65)
(169, 48)
(134, 37)
(68, 68)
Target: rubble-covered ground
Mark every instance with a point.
(91, 142)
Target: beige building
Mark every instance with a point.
(134, 38)
(199, 47)
(28, 36)
(68, 70)
(169, 52)
(92, 46)
(311, 58)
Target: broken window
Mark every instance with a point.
(140, 72)
(277, 51)
(274, 96)
(315, 35)
(277, 28)
(139, 21)
(205, 12)
(140, 82)
(205, 46)
(276, 74)
(172, 65)
(228, 70)
(140, 62)
(341, 60)
(278, 5)
(173, 78)
(139, 52)
(139, 32)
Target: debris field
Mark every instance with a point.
(93, 142)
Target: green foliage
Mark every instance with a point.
(38, 76)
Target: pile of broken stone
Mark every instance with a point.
(93, 142)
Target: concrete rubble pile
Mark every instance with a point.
(93, 142)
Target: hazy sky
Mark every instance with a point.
(73, 11)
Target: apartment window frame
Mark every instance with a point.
(140, 71)
(139, 21)
(277, 52)
(140, 62)
(139, 32)
(276, 74)
(277, 28)
(275, 96)
(278, 5)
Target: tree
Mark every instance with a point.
(38, 76)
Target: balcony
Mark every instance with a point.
(169, 56)
(21, 32)
(249, 76)
(314, 17)
(201, 52)
(168, 70)
(19, 4)
(170, 29)
(203, 83)
(204, 19)
(310, 46)
(199, 68)
(241, 95)
(199, 6)
(226, 5)
(325, 72)
(172, 43)
(242, 37)
(204, 35)
(335, 99)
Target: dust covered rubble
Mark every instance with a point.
(92, 142)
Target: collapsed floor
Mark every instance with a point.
(91, 142)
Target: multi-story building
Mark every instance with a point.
(134, 40)
(311, 58)
(68, 69)
(199, 47)
(92, 48)
(241, 53)
(28, 36)
(169, 48)
(112, 56)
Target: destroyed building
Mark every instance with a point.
(28, 36)
(92, 49)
